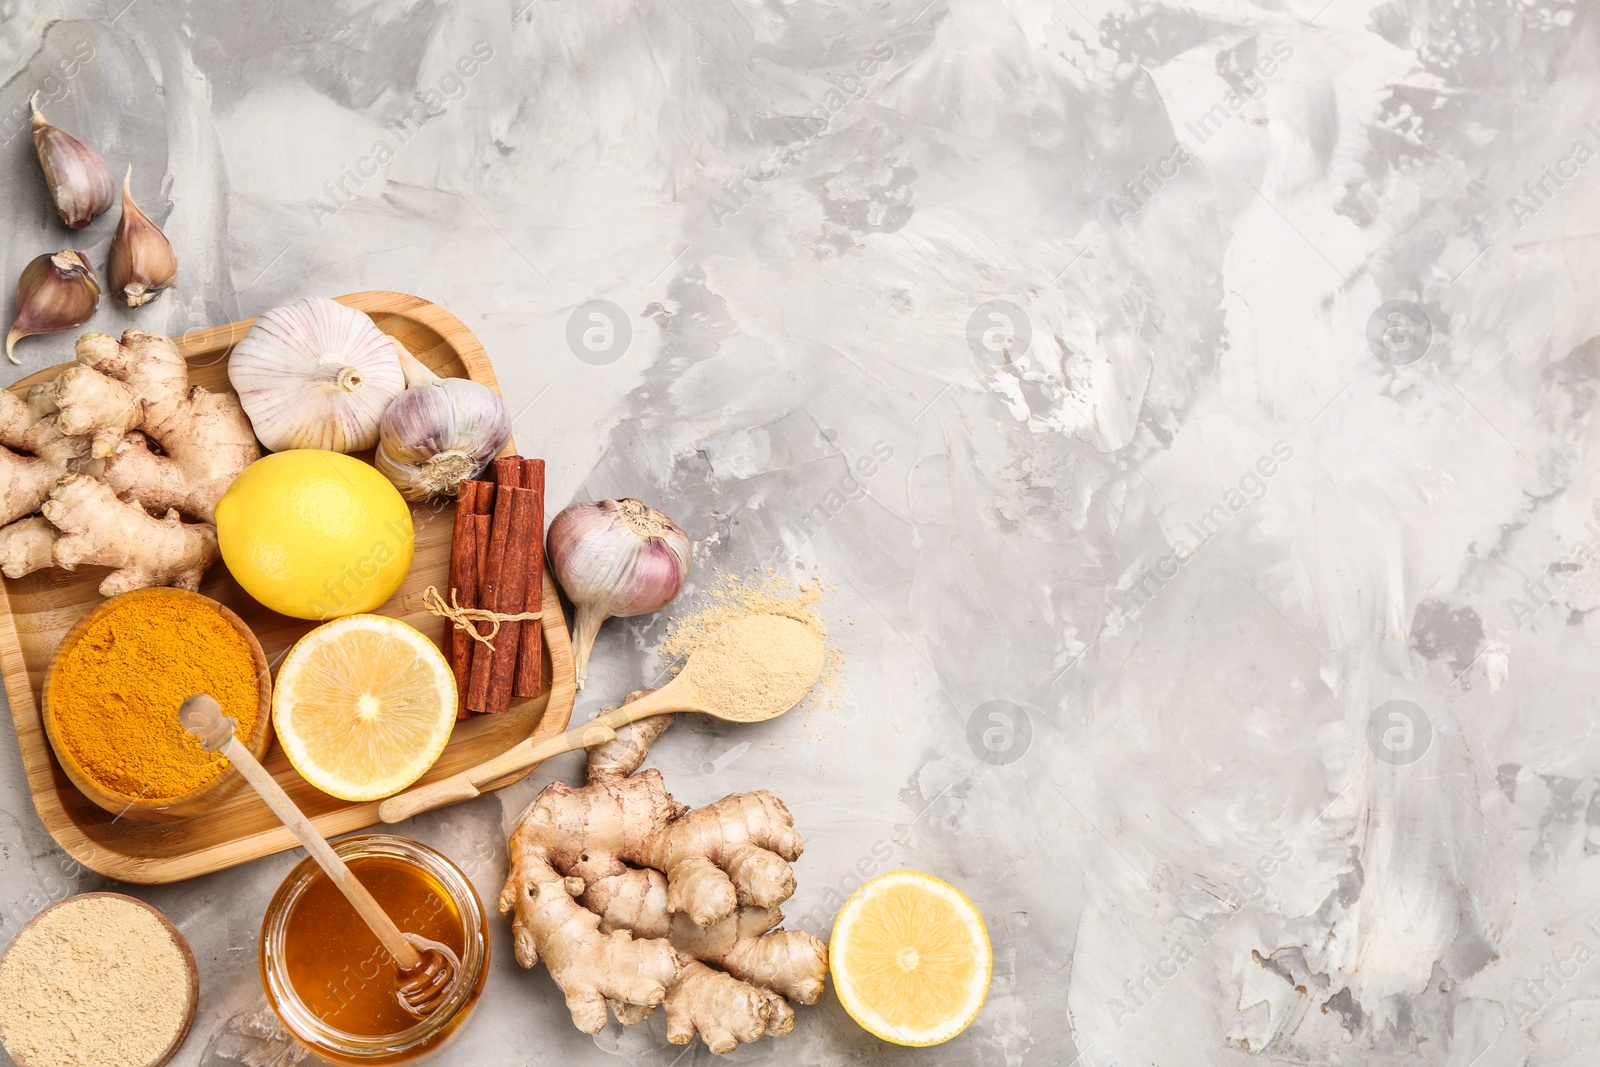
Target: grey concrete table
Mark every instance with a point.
(1193, 405)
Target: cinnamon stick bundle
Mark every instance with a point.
(497, 564)
(516, 524)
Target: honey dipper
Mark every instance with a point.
(425, 976)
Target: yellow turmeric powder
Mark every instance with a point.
(116, 693)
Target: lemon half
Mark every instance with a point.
(910, 959)
(363, 706)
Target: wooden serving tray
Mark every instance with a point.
(37, 611)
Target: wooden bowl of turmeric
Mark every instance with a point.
(111, 696)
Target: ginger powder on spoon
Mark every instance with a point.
(757, 667)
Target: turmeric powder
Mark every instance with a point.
(115, 694)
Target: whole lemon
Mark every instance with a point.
(315, 534)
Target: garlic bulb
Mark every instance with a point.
(54, 292)
(438, 432)
(315, 374)
(142, 263)
(615, 557)
(79, 180)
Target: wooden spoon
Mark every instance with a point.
(762, 690)
(424, 977)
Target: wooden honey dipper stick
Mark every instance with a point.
(424, 977)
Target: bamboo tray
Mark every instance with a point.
(37, 611)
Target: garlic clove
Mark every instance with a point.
(438, 433)
(55, 292)
(142, 263)
(614, 557)
(80, 182)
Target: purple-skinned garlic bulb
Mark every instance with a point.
(615, 557)
(439, 432)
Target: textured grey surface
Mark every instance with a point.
(1285, 415)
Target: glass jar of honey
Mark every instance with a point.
(332, 984)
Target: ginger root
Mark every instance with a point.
(635, 902)
(34, 451)
(590, 967)
(26, 546)
(79, 451)
(96, 527)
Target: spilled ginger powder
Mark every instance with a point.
(97, 981)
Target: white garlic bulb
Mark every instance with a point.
(439, 432)
(316, 374)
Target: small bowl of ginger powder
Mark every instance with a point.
(111, 698)
(97, 980)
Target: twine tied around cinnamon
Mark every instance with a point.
(468, 618)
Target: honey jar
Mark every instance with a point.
(329, 980)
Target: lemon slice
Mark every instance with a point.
(910, 959)
(363, 706)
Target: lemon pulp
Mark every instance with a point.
(910, 959)
(363, 706)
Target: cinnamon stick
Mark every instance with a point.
(512, 595)
(529, 680)
(480, 533)
(504, 575)
(490, 564)
(467, 549)
(464, 587)
(476, 495)
(508, 472)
